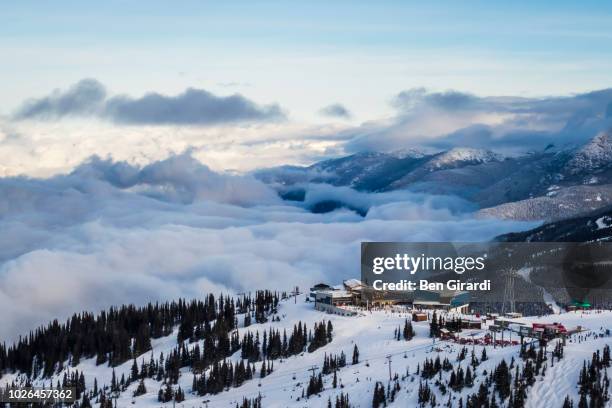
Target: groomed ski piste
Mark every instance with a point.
(373, 333)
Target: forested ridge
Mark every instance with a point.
(206, 335)
(122, 333)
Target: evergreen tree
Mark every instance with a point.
(582, 403)
(378, 398)
(408, 331)
(315, 385)
(469, 381)
(434, 329)
(86, 402)
(502, 378)
(179, 395)
(141, 389)
(134, 371)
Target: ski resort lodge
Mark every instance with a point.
(353, 292)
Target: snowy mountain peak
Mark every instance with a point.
(407, 153)
(349, 163)
(463, 155)
(596, 154)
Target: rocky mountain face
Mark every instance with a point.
(549, 184)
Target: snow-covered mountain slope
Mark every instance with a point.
(558, 203)
(593, 226)
(408, 153)
(356, 169)
(456, 158)
(459, 156)
(596, 155)
(373, 333)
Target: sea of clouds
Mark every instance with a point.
(149, 223)
(111, 232)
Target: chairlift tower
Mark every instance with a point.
(509, 295)
(296, 292)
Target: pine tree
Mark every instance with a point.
(473, 360)
(379, 398)
(502, 378)
(141, 389)
(493, 403)
(179, 396)
(408, 331)
(468, 378)
(605, 361)
(582, 403)
(114, 385)
(434, 329)
(86, 403)
(315, 385)
(424, 393)
(168, 393)
(134, 371)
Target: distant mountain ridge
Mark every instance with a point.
(546, 184)
(593, 226)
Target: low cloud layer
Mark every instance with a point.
(110, 232)
(88, 98)
(443, 120)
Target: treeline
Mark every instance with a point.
(217, 373)
(438, 323)
(224, 375)
(506, 385)
(432, 367)
(407, 333)
(342, 401)
(120, 334)
(273, 345)
(380, 397)
(74, 380)
(593, 382)
(331, 364)
(512, 387)
(250, 403)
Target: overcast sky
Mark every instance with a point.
(306, 55)
(283, 81)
